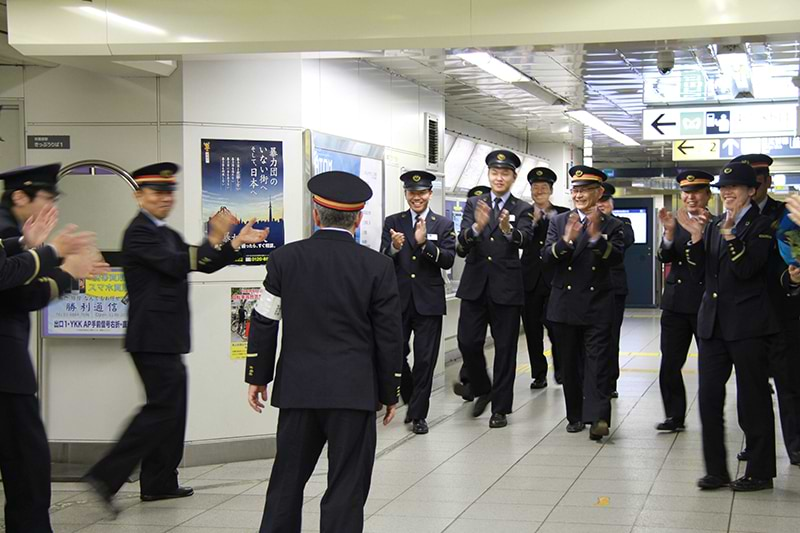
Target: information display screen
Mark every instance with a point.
(638, 217)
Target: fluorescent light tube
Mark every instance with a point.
(596, 124)
(495, 67)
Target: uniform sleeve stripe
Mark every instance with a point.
(38, 266)
(193, 257)
(739, 255)
(553, 249)
(608, 250)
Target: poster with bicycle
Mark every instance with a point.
(243, 299)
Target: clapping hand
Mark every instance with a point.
(694, 225)
(398, 239)
(421, 232)
(249, 235)
(793, 207)
(38, 227)
(593, 227)
(482, 214)
(505, 221)
(573, 228)
(219, 226)
(668, 221)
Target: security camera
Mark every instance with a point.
(666, 61)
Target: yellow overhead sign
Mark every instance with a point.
(695, 149)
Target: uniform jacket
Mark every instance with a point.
(342, 343)
(419, 269)
(619, 278)
(17, 375)
(156, 263)
(21, 267)
(786, 307)
(582, 290)
(735, 271)
(536, 275)
(683, 290)
(492, 259)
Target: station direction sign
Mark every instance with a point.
(719, 122)
(709, 149)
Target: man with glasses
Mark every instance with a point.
(421, 243)
(582, 245)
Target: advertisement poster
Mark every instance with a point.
(369, 170)
(96, 307)
(245, 178)
(454, 210)
(242, 302)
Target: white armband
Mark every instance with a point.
(269, 305)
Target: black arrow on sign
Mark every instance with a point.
(657, 125)
(682, 147)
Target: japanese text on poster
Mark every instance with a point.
(242, 302)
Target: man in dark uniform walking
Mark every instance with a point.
(156, 263)
(24, 451)
(583, 245)
(537, 278)
(734, 322)
(492, 290)
(329, 378)
(421, 243)
(619, 279)
(681, 300)
(462, 387)
(787, 311)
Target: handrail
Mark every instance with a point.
(95, 163)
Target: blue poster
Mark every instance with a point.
(245, 178)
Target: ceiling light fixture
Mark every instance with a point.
(734, 62)
(596, 124)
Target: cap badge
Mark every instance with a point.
(478, 193)
(728, 170)
(416, 178)
(501, 157)
(166, 173)
(690, 177)
(578, 173)
(539, 173)
(28, 183)
(745, 161)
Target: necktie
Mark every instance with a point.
(497, 202)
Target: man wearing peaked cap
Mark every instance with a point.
(478, 190)
(421, 244)
(582, 246)
(787, 311)
(730, 255)
(330, 377)
(619, 279)
(156, 263)
(681, 299)
(28, 190)
(537, 277)
(494, 227)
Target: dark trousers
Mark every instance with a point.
(534, 322)
(504, 323)
(302, 433)
(584, 362)
(616, 333)
(427, 338)
(24, 464)
(155, 435)
(749, 356)
(677, 330)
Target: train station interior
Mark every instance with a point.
(253, 98)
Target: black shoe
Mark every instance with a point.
(420, 426)
(559, 379)
(498, 421)
(670, 424)
(407, 420)
(614, 394)
(750, 484)
(481, 402)
(710, 482)
(105, 495)
(794, 458)
(743, 455)
(575, 427)
(598, 430)
(463, 390)
(180, 492)
(538, 384)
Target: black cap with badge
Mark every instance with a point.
(694, 180)
(737, 174)
(479, 190)
(40, 177)
(759, 162)
(340, 191)
(158, 176)
(583, 175)
(503, 159)
(542, 174)
(608, 191)
(417, 180)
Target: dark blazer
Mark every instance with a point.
(787, 308)
(619, 278)
(342, 345)
(16, 369)
(492, 259)
(419, 269)
(735, 271)
(582, 291)
(535, 274)
(683, 291)
(20, 267)
(156, 263)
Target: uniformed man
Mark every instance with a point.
(734, 322)
(787, 311)
(681, 299)
(20, 261)
(156, 263)
(583, 245)
(619, 278)
(421, 243)
(24, 451)
(330, 377)
(461, 387)
(537, 278)
(492, 290)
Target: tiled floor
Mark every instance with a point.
(529, 477)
